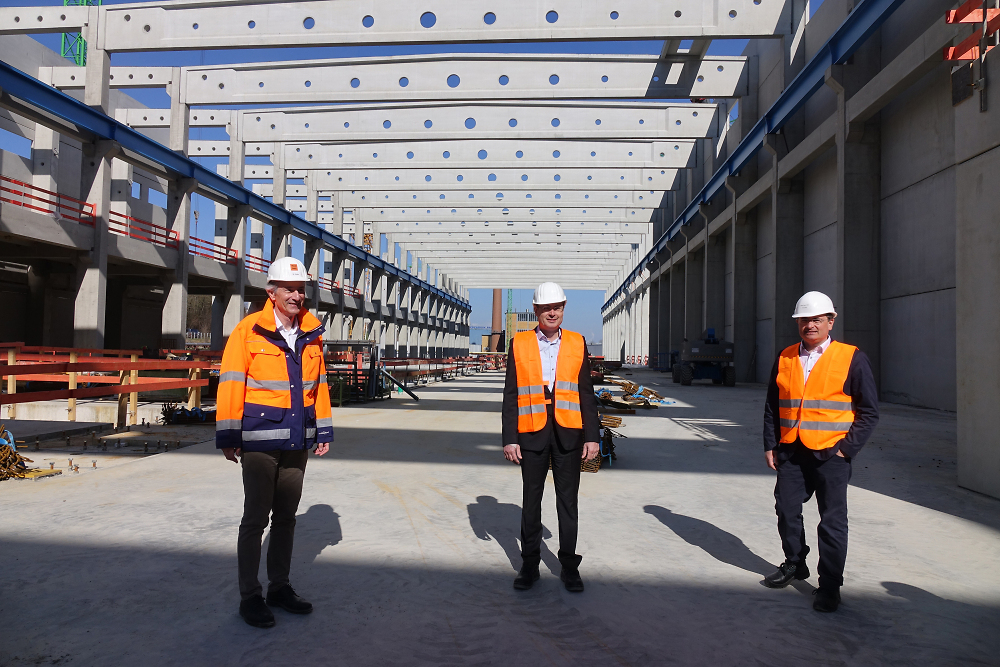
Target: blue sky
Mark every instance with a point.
(584, 308)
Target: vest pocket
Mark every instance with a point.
(262, 422)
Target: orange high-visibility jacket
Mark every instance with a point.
(817, 412)
(531, 411)
(271, 397)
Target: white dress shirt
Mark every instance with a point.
(808, 358)
(291, 334)
(549, 349)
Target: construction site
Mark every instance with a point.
(686, 170)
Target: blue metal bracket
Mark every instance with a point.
(852, 33)
(32, 96)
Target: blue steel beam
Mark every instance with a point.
(90, 124)
(852, 33)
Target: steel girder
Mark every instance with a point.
(32, 99)
(852, 33)
(197, 24)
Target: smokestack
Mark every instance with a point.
(497, 326)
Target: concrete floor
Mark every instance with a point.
(407, 546)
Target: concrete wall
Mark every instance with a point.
(913, 265)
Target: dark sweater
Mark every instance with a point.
(860, 386)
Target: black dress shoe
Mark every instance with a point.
(256, 613)
(286, 598)
(526, 578)
(571, 577)
(827, 599)
(785, 573)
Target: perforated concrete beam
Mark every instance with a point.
(195, 24)
(480, 225)
(504, 215)
(481, 120)
(624, 240)
(464, 77)
(542, 179)
(510, 199)
(490, 154)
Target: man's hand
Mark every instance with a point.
(321, 448)
(590, 450)
(840, 454)
(233, 454)
(512, 453)
(769, 457)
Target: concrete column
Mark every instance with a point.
(174, 317)
(279, 179)
(227, 309)
(313, 260)
(714, 285)
(782, 231)
(677, 332)
(45, 149)
(237, 149)
(312, 199)
(281, 241)
(97, 91)
(693, 275)
(858, 297)
(92, 271)
(741, 293)
(180, 112)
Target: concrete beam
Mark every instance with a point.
(490, 154)
(187, 24)
(493, 120)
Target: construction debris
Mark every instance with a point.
(12, 464)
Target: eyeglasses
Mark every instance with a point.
(822, 319)
(292, 290)
(558, 308)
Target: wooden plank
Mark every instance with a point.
(110, 365)
(96, 392)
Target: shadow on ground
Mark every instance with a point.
(104, 604)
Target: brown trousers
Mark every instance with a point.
(272, 486)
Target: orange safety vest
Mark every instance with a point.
(817, 412)
(531, 403)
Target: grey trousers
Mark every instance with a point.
(272, 486)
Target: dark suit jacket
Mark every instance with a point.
(569, 438)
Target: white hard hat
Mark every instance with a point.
(547, 293)
(287, 269)
(812, 304)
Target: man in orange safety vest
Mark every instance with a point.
(549, 414)
(821, 408)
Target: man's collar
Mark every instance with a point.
(542, 336)
(267, 320)
(821, 348)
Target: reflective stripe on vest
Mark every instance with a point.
(531, 405)
(818, 412)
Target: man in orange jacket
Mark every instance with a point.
(273, 406)
(821, 408)
(549, 413)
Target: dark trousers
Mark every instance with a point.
(799, 477)
(566, 475)
(272, 486)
